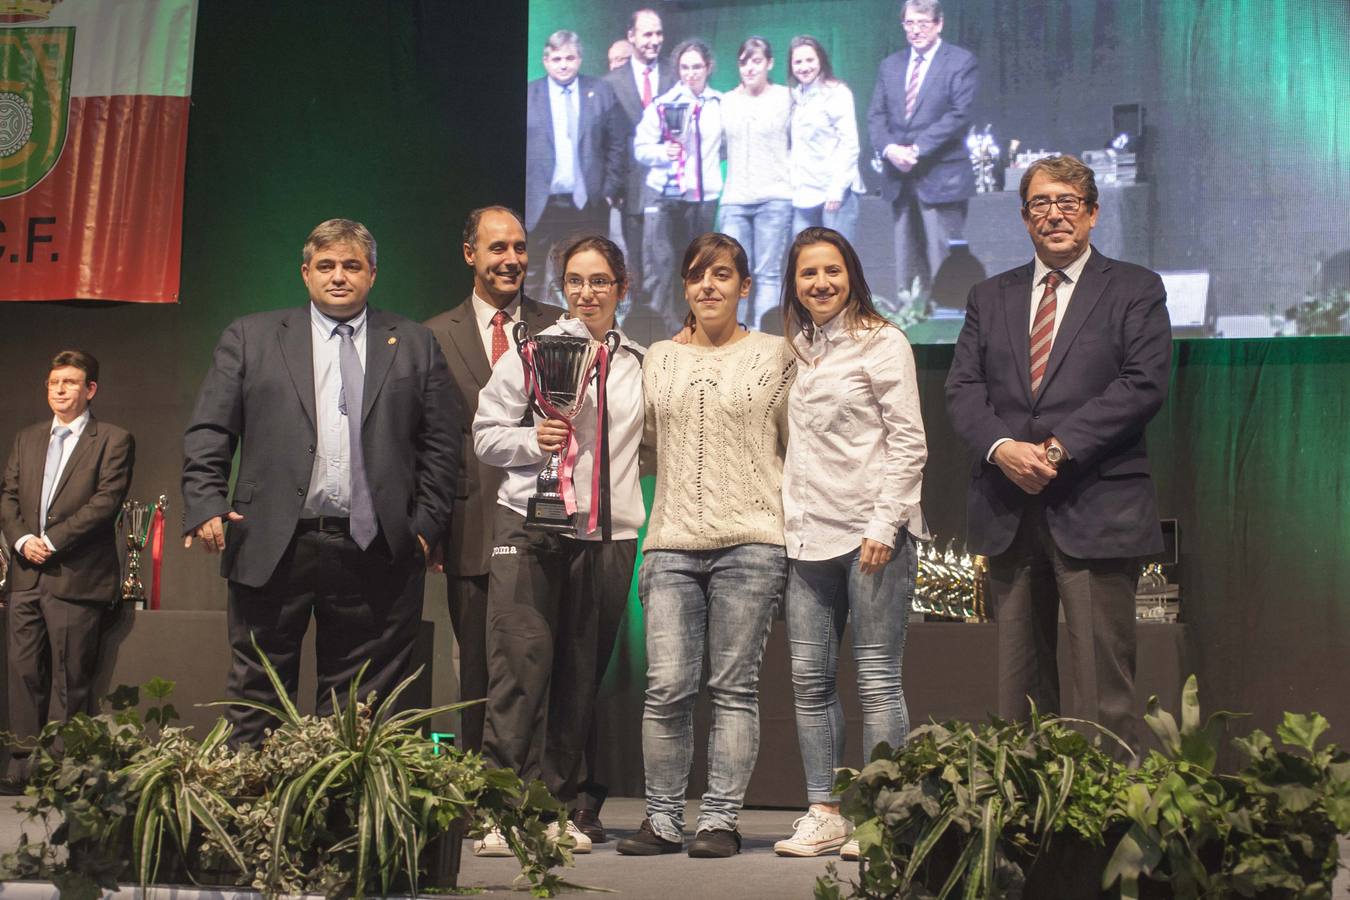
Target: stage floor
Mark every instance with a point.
(756, 873)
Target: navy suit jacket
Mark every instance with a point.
(630, 106)
(938, 127)
(82, 515)
(468, 542)
(258, 398)
(600, 148)
(1107, 377)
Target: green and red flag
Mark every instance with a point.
(94, 99)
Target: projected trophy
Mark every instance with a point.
(674, 121)
(558, 367)
(136, 521)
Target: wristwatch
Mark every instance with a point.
(1054, 454)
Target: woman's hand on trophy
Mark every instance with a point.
(872, 556)
(673, 150)
(552, 435)
(212, 532)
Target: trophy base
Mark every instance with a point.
(549, 514)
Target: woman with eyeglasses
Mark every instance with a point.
(555, 600)
(756, 205)
(713, 566)
(824, 160)
(851, 490)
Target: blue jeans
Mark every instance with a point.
(821, 595)
(843, 220)
(763, 230)
(724, 600)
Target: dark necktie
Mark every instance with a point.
(363, 524)
(912, 90)
(1043, 330)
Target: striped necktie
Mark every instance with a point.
(1043, 329)
(912, 90)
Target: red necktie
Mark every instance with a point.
(646, 87)
(499, 344)
(912, 91)
(1043, 330)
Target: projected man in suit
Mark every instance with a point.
(918, 119)
(1058, 368)
(646, 77)
(63, 487)
(347, 431)
(474, 336)
(574, 155)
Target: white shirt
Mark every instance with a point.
(500, 440)
(483, 312)
(564, 144)
(1063, 294)
(649, 145)
(757, 144)
(638, 67)
(922, 66)
(330, 481)
(856, 447)
(76, 429)
(824, 157)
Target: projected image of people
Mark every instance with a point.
(906, 125)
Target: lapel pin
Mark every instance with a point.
(393, 340)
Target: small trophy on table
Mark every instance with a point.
(141, 522)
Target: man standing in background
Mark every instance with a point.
(645, 78)
(575, 156)
(63, 489)
(474, 336)
(918, 119)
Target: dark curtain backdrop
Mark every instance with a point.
(407, 114)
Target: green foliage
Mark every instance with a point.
(340, 805)
(978, 810)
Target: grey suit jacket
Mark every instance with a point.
(1107, 377)
(82, 516)
(468, 543)
(630, 102)
(601, 148)
(258, 398)
(938, 127)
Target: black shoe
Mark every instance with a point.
(11, 786)
(647, 842)
(588, 823)
(715, 843)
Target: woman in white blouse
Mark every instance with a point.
(757, 201)
(824, 164)
(851, 486)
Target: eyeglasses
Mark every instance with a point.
(599, 283)
(1040, 206)
(918, 24)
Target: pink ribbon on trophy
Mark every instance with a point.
(569, 457)
(156, 555)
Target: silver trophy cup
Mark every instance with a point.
(561, 367)
(135, 522)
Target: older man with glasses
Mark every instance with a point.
(917, 120)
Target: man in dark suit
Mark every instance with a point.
(346, 427)
(1060, 365)
(574, 154)
(63, 487)
(918, 119)
(645, 77)
(474, 336)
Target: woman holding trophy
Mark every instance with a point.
(851, 491)
(713, 568)
(565, 422)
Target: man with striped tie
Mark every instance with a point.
(1060, 365)
(918, 119)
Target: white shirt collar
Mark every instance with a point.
(639, 67)
(325, 323)
(929, 53)
(483, 311)
(1071, 272)
(76, 427)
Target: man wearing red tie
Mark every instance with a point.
(1059, 367)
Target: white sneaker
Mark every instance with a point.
(492, 844)
(850, 851)
(583, 843)
(814, 834)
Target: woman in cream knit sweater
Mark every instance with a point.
(714, 566)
